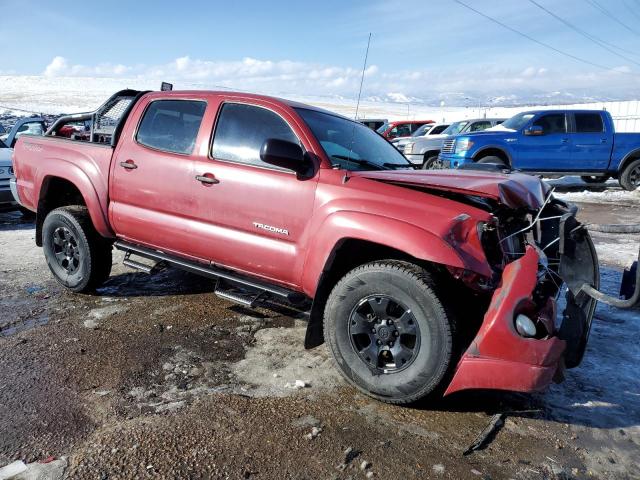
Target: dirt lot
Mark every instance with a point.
(154, 376)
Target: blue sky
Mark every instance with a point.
(427, 49)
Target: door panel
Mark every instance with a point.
(548, 152)
(151, 190)
(259, 223)
(591, 143)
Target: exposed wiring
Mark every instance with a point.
(535, 220)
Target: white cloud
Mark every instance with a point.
(60, 67)
(286, 77)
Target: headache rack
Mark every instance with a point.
(102, 126)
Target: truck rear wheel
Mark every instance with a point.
(630, 176)
(388, 331)
(79, 258)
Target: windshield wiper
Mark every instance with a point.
(369, 163)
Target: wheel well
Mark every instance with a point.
(55, 192)
(632, 157)
(493, 152)
(431, 153)
(347, 255)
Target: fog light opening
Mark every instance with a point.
(525, 326)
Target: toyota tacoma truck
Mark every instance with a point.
(421, 283)
(556, 142)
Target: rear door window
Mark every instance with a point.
(171, 125)
(242, 129)
(589, 123)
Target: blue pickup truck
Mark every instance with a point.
(556, 142)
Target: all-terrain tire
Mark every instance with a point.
(493, 160)
(630, 176)
(79, 258)
(408, 285)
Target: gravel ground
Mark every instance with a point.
(155, 376)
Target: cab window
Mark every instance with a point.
(242, 129)
(589, 123)
(171, 125)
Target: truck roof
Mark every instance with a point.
(234, 94)
(565, 110)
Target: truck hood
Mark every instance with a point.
(513, 190)
(502, 133)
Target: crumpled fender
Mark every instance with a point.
(389, 232)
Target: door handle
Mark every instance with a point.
(207, 178)
(565, 140)
(603, 140)
(129, 165)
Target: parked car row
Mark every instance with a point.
(427, 130)
(423, 152)
(555, 142)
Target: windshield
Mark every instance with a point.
(455, 128)
(382, 128)
(518, 121)
(422, 130)
(351, 145)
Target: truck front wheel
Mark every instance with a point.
(79, 258)
(630, 176)
(389, 332)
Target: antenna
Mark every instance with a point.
(345, 179)
(364, 67)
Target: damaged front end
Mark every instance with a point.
(542, 262)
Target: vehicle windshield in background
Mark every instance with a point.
(518, 121)
(455, 128)
(382, 128)
(422, 130)
(351, 145)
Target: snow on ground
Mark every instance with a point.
(607, 196)
(601, 397)
(574, 189)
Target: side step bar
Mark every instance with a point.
(211, 271)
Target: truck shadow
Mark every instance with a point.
(14, 220)
(163, 283)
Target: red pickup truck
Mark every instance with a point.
(421, 282)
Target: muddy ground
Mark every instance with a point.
(156, 377)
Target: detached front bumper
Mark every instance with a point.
(498, 357)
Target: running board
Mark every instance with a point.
(248, 298)
(211, 271)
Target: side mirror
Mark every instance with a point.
(535, 130)
(284, 154)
